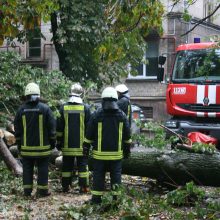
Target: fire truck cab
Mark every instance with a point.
(193, 91)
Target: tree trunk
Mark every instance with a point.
(8, 137)
(174, 167)
(170, 167)
(9, 160)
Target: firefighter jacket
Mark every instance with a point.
(125, 105)
(35, 129)
(108, 132)
(71, 127)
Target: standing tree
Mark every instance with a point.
(94, 40)
(19, 18)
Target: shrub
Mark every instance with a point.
(14, 77)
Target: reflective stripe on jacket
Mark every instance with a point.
(125, 105)
(71, 127)
(107, 132)
(35, 129)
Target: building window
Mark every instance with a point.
(208, 9)
(148, 69)
(35, 47)
(34, 44)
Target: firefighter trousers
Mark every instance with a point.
(68, 169)
(100, 167)
(42, 174)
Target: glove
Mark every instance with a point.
(126, 151)
(86, 148)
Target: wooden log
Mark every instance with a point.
(170, 167)
(174, 167)
(9, 160)
(14, 151)
(10, 127)
(9, 137)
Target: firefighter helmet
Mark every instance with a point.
(122, 88)
(109, 92)
(32, 89)
(76, 89)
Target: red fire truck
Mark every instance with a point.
(193, 91)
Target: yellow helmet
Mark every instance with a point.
(109, 92)
(32, 89)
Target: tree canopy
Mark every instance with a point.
(18, 18)
(94, 40)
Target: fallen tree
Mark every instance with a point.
(9, 160)
(7, 136)
(171, 167)
(174, 167)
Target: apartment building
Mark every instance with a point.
(144, 88)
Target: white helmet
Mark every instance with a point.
(109, 92)
(32, 89)
(76, 89)
(122, 88)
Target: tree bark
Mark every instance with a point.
(9, 160)
(170, 167)
(174, 167)
(8, 137)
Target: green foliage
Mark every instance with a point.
(79, 31)
(136, 201)
(94, 39)
(210, 65)
(152, 135)
(9, 184)
(130, 204)
(11, 189)
(204, 148)
(187, 195)
(186, 16)
(97, 39)
(26, 14)
(14, 77)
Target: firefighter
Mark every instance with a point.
(71, 125)
(108, 133)
(124, 100)
(35, 132)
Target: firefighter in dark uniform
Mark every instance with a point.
(71, 125)
(108, 133)
(35, 132)
(124, 100)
